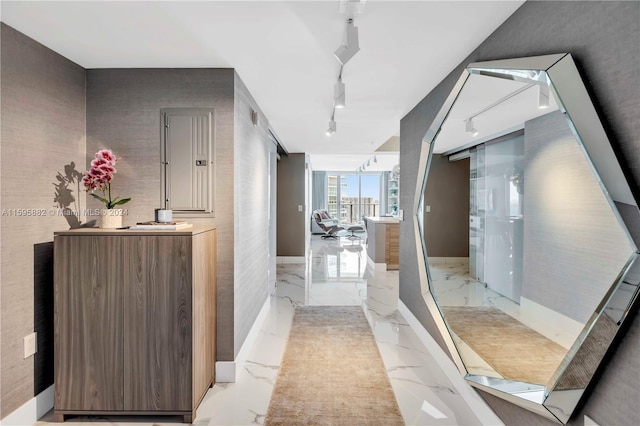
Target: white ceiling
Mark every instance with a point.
(283, 51)
(351, 162)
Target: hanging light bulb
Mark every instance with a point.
(332, 123)
(332, 128)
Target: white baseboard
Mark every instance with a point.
(227, 371)
(473, 400)
(376, 266)
(449, 260)
(32, 410)
(290, 259)
(255, 330)
(543, 320)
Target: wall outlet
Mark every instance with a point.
(427, 209)
(30, 344)
(299, 207)
(401, 214)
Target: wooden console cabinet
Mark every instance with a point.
(134, 321)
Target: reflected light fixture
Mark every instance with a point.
(332, 124)
(470, 128)
(469, 121)
(351, 45)
(543, 96)
(338, 93)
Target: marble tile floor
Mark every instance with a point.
(454, 287)
(336, 273)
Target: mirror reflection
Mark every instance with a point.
(523, 244)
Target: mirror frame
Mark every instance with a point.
(561, 73)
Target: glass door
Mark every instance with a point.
(504, 229)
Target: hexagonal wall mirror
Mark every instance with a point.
(529, 232)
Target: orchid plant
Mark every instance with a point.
(100, 177)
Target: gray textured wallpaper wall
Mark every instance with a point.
(291, 193)
(446, 226)
(573, 213)
(54, 113)
(123, 113)
(251, 222)
(604, 39)
(43, 130)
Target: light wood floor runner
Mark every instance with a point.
(332, 373)
(514, 350)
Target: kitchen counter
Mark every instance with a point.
(382, 219)
(383, 242)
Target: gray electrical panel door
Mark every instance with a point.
(188, 160)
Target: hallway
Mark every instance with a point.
(337, 273)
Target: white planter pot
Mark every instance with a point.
(110, 218)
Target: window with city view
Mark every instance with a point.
(353, 196)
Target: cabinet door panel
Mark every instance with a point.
(88, 323)
(157, 342)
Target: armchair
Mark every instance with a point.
(327, 224)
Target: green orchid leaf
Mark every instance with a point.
(123, 201)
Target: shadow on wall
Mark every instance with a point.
(65, 186)
(64, 198)
(43, 315)
(69, 207)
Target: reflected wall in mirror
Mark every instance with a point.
(528, 229)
